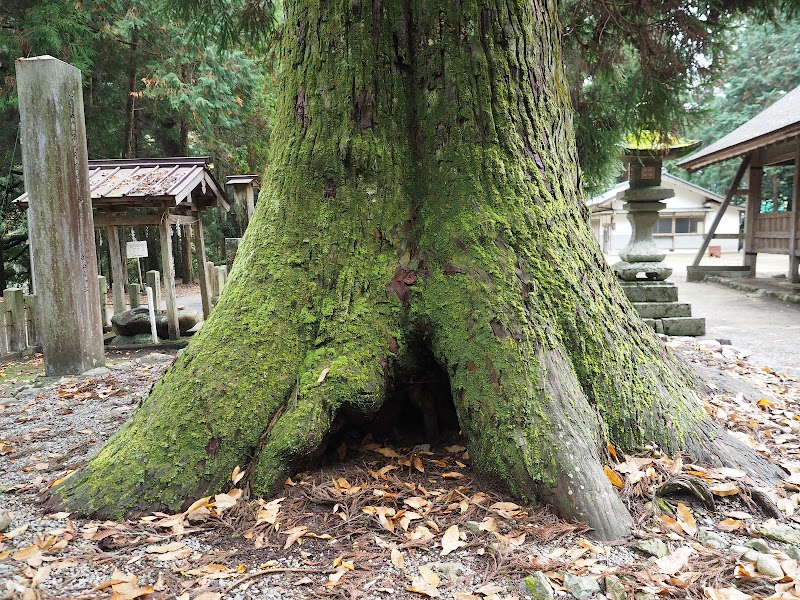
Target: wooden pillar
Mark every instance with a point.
(33, 333)
(54, 160)
(244, 199)
(213, 286)
(3, 329)
(200, 250)
(794, 227)
(754, 177)
(168, 268)
(231, 248)
(118, 276)
(250, 203)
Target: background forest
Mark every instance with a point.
(156, 86)
(152, 88)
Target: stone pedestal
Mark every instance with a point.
(657, 304)
(642, 256)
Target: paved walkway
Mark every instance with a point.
(767, 328)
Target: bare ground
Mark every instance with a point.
(385, 519)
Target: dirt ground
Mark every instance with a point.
(382, 519)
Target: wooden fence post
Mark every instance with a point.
(133, 294)
(3, 329)
(221, 278)
(56, 173)
(14, 301)
(213, 283)
(102, 286)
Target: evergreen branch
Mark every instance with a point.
(14, 240)
(230, 22)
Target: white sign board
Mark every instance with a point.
(136, 249)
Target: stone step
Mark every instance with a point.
(689, 326)
(654, 324)
(658, 310)
(700, 273)
(692, 326)
(650, 291)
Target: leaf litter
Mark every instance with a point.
(389, 520)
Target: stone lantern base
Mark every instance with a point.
(658, 306)
(652, 271)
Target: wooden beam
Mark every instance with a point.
(728, 236)
(118, 278)
(771, 235)
(250, 203)
(779, 153)
(118, 205)
(122, 220)
(731, 191)
(754, 177)
(181, 219)
(168, 270)
(104, 219)
(200, 251)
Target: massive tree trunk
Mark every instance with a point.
(422, 200)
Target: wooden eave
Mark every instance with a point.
(776, 147)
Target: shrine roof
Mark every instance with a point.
(185, 182)
(775, 124)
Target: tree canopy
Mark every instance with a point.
(638, 65)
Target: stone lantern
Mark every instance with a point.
(641, 270)
(644, 155)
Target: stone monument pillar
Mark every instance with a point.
(57, 183)
(642, 273)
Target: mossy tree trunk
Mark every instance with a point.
(423, 190)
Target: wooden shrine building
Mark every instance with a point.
(159, 192)
(769, 143)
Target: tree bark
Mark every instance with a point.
(128, 144)
(422, 193)
(3, 282)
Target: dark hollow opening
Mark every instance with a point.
(418, 409)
